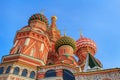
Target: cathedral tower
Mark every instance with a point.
(54, 35)
(65, 48)
(30, 49)
(84, 45)
(41, 53)
(32, 40)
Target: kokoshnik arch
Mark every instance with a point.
(41, 53)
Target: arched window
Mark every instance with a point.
(16, 70)
(24, 73)
(1, 70)
(32, 75)
(50, 64)
(67, 75)
(8, 69)
(50, 73)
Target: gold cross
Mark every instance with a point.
(42, 11)
(64, 30)
(81, 34)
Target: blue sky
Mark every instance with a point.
(98, 20)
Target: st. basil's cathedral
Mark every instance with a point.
(40, 52)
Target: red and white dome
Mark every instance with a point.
(86, 42)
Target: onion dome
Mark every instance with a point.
(40, 17)
(86, 42)
(65, 40)
(54, 17)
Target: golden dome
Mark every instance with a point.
(54, 17)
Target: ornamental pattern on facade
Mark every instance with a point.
(40, 52)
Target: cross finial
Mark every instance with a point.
(42, 11)
(64, 32)
(81, 34)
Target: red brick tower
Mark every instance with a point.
(84, 45)
(65, 47)
(31, 47)
(40, 53)
(54, 35)
(32, 40)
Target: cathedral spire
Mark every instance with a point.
(53, 21)
(42, 11)
(81, 34)
(64, 32)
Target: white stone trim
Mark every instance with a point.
(42, 47)
(15, 55)
(15, 43)
(32, 52)
(57, 67)
(27, 41)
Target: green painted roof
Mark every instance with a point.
(92, 61)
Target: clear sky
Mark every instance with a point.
(98, 19)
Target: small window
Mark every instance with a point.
(24, 73)
(1, 70)
(50, 73)
(8, 69)
(18, 49)
(50, 64)
(32, 75)
(16, 70)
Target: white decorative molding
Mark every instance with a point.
(99, 76)
(57, 67)
(15, 43)
(42, 47)
(27, 41)
(15, 55)
(32, 52)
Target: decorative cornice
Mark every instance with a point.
(98, 71)
(16, 55)
(16, 76)
(73, 69)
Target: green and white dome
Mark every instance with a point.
(65, 40)
(40, 17)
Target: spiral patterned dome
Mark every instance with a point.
(65, 40)
(40, 17)
(86, 42)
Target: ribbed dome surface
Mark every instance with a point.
(40, 17)
(65, 40)
(82, 42)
